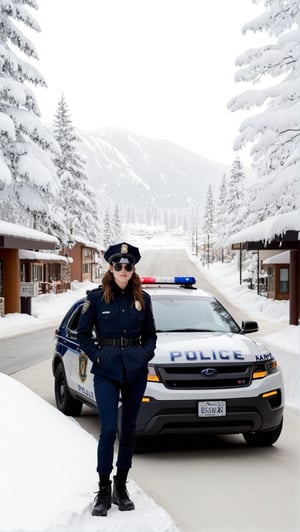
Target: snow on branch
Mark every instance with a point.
(31, 3)
(279, 182)
(24, 16)
(272, 62)
(19, 40)
(7, 127)
(41, 176)
(31, 198)
(284, 93)
(12, 66)
(32, 74)
(290, 37)
(278, 18)
(5, 174)
(15, 93)
(30, 124)
(247, 99)
(278, 122)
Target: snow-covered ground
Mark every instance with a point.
(40, 488)
(47, 480)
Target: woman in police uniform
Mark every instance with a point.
(121, 314)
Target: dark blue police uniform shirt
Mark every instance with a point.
(117, 319)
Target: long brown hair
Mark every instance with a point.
(134, 282)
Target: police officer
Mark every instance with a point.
(121, 314)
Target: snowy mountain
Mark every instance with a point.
(136, 170)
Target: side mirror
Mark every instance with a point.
(249, 327)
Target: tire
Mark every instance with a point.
(264, 438)
(64, 400)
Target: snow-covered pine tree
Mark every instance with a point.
(236, 207)
(208, 226)
(117, 225)
(209, 213)
(77, 200)
(28, 179)
(107, 236)
(221, 216)
(274, 132)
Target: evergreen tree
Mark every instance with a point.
(107, 237)
(209, 215)
(117, 226)
(222, 199)
(76, 200)
(274, 132)
(28, 179)
(236, 207)
(208, 226)
(221, 215)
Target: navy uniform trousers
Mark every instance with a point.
(107, 396)
(119, 372)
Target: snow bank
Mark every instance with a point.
(48, 475)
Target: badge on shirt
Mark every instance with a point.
(85, 306)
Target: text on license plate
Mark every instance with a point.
(211, 408)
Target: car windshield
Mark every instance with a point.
(191, 314)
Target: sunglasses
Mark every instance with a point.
(118, 267)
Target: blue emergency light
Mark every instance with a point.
(169, 280)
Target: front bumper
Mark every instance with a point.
(248, 414)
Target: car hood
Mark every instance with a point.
(209, 347)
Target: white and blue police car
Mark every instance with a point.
(207, 376)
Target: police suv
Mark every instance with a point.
(206, 375)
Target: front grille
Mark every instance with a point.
(186, 377)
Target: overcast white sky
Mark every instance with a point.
(162, 68)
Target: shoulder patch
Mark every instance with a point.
(85, 306)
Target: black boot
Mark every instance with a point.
(120, 495)
(102, 500)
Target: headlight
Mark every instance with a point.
(152, 375)
(262, 369)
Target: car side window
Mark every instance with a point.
(74, 322)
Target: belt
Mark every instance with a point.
(121, 342)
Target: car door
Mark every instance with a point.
(77, 364)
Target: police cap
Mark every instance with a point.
(122, 252)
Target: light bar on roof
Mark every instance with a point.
(168, 280)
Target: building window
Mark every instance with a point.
(23, 272)
(86, 268)
(37, 272)
(87, 252)
(283, 279)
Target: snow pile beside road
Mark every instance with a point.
(48, 475)
(286, 347)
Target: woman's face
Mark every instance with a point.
(121, 276)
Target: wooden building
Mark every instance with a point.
(50, 271)
(278, 271)
(281, 232)
(14, 237)
(86, 262)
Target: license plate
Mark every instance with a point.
(211, 408)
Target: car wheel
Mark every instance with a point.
(64, 401)
(264, 438)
